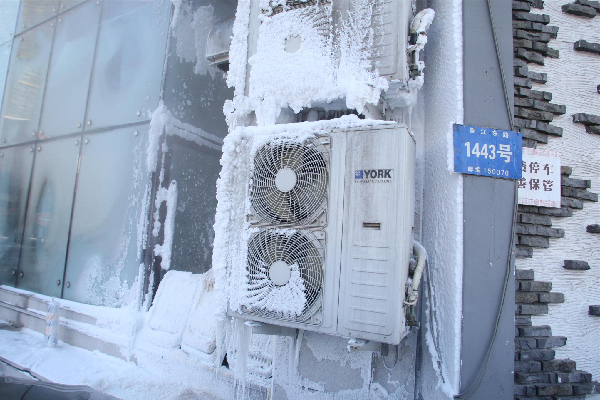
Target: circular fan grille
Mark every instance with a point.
(289, 182)
(300, 297)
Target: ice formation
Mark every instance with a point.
(321, 66)
(169, 197)
(191, 30)
(288, 300)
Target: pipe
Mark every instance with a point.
(374, 113)
(421, 254)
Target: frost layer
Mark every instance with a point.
(301, 59)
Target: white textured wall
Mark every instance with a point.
(442, 190)
(572, 79)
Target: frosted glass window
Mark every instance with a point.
(104, 252)
(201, 106)
(48, 217)
(15, 171)
(8, 17)
(129, 62)
(25, 85)
(4, 57)
(32, 12)
(66, 4)
(196, 171)
(63, 110)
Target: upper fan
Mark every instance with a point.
(285, 274)
(289, 182)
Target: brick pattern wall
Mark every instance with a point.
(534, 225)
(538, 375)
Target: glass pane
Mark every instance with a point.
(4, 58)
(15, 171)
(104, 252)
(66, 4)
(8, 17)
(25, 85)
(63, 110)
(33, 12)
(201, 106)
(129, 62)
(48, 217)
(196, 174)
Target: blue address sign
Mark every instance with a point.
(487, 152)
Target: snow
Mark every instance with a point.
(191, 30)
(442, 220)
(328, 65)
(75, 366)
(181, 28)
(168, 316)
(169, 197)
(288, 300)
(163, 122)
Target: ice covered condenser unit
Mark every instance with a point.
(329, 221)
(369, 34)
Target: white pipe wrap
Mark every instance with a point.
(421, 254)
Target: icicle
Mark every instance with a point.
(242, 337)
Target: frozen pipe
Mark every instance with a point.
(373, 111)
(421, 254)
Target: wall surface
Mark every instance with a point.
(488, 210)
(442, 204)
(572, 80)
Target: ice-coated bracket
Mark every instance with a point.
(362, 345)
(268, 329)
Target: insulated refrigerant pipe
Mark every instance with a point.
(421, 254)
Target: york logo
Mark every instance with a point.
(373, 174)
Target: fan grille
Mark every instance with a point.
(298, 299)
(278, 7)
(307, 199)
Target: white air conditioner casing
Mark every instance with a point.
(362, 234)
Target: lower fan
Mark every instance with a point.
(284, 274)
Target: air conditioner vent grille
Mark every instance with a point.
(289, 182)
(278, 7)
(298, 298)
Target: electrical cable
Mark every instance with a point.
(479, 377)
(395, 361)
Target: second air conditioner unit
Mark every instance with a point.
(301, 53)
(328, 237)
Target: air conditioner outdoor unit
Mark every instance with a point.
(329, 214)
(303, 52)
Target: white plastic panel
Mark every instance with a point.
(376, 238)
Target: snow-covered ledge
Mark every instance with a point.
(175, 339)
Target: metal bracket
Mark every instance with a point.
(362, 345)
(268, 329)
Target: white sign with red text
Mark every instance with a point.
(540, 184)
